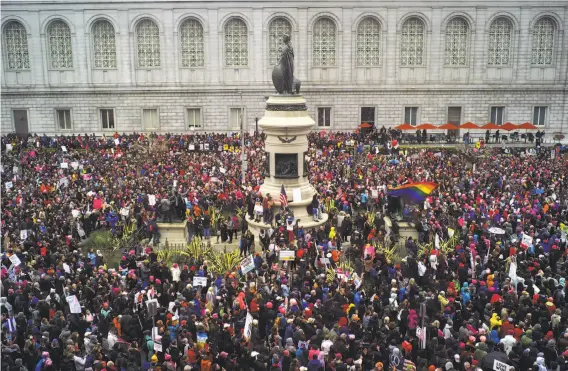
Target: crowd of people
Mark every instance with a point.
(495, 301)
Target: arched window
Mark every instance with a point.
(16, 41)
(500, 39)
(457, 38)
(59, 45)
(325, 39)
(236, 43)
(368, 42)
(192, 44)
(412, 43)
(543, 42)
(148, 44)
(104, 45)
(278, 28)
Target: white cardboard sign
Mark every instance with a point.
(200, 281)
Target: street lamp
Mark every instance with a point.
(243, 156)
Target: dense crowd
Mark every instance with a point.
(496, 299)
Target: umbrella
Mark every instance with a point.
(469, 125)
(394, 162)
(365, 125)
(527, 126)
(405, 127)
(496, 230)
(448, 126)
(508, 126)
(426, 126)
(491, 126)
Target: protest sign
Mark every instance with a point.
(64, 165)
(200, 281)
(15, 260)
(501, 366)
(527, 241)
(9, 185)
(286, 255)
(296, 195)
(247, 264)
(74, 305)
(64, 148)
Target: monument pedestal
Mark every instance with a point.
(286, 124)
(175, 233)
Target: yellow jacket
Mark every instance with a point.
(495, 322)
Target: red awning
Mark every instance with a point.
(426, 126)
(527, 126)
(448, 126)
(405, 127)
(469, 125)
(491, 126)
(508, 126)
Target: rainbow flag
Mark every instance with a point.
(413, 192)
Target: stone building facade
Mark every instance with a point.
(172, 66)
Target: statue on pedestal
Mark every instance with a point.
(283, 72)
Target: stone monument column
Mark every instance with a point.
(286, 124)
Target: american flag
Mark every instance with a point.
(283, 197)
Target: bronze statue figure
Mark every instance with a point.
(283, 72)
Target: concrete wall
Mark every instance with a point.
(389, 108)
(345, 87)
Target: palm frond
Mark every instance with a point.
(223, 263)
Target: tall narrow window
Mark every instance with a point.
(497, 115)
(59, 45)
(412, 43)
(236, 118)
(236, 43)
(16, 46)
(150, 119)
(63, 118)
(107, 118)
(543, 42)
(368, 115)
(194, 118)
(192, 44)
(454, 115)
(539, 116)
(500, 40)
(278, 28)
(324, 116)
(104, 45)
(411, 115)
(148, 44)
(456, 42)
(324, 41)
(368, 42)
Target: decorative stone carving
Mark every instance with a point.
(286, 165)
